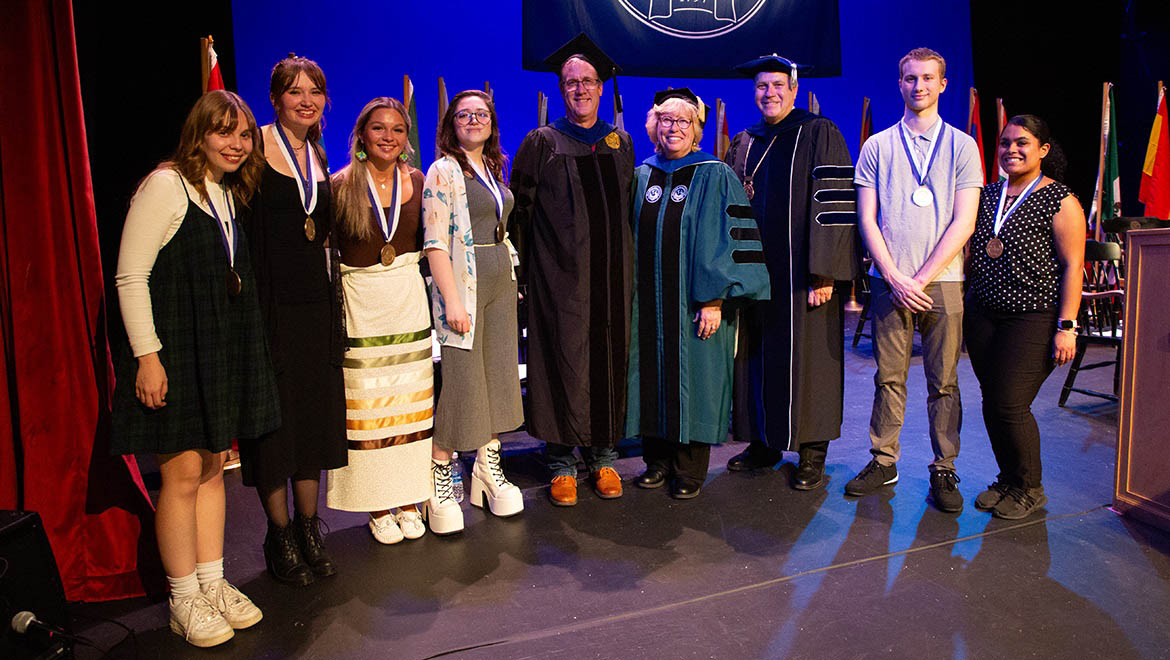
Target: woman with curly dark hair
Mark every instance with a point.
(200, 375)
(465, 206)
(1023, 292)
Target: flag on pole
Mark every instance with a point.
(212, 77)
(1155, 188)
(444, 101)
(487, 88)
(1107, 201)
(975, 129)
(618, 116)
(814, 106)
(722, 139)
(408, 98)
(541, 109)
(866, 122)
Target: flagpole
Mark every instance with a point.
(1098, 193)
(204, 46)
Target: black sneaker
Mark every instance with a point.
(987, 500)
(944, 490)
(872, 477)
(1019, 503)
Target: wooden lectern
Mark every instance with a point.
(1142, 489)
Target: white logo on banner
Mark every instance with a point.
(653, 194)
(693, 19)
(678, 194)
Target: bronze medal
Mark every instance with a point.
(748, 188)
(234, 285)
(388, 254)
(994, 247)
(310, 229)
(500, 231)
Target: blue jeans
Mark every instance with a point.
(561, 461)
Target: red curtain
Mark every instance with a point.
(54, 417)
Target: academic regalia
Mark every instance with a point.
(695, 241)
(805, 205)
(571, 228)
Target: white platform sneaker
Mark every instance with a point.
(489, 483)
(441, 512)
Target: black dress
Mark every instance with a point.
(220, 380)
(302, 313)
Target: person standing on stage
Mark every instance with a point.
(302, 310)
(698, 256)
(571, 180)
(917, 194)
(796, 170)
(465, 206)
(1024, 277)
(196, 373)
(389, 375)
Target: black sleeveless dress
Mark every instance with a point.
(220, 379)
(302, 314)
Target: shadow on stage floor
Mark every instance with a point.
(749, 569)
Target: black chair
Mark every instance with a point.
(1100, 317)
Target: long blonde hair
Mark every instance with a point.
(349, 184)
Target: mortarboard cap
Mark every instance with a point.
(583, 47)
(685, 94)
(771, 62)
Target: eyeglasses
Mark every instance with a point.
(683, 124)
(464, 117)
(587, 83)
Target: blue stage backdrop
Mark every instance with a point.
(644, 37)
(366, 46)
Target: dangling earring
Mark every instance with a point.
(403, 157)
(361, 155)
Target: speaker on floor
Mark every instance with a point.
(29, 582)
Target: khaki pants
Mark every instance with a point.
(893, 339)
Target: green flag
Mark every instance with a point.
(1108, 178)
(408, 97)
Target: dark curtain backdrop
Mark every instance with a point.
(54, 429)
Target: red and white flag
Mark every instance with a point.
(975, 129)
(214, 77)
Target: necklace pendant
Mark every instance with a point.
(748, 188)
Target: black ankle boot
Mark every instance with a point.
(283, 558)
(810, 472)
(312, 545)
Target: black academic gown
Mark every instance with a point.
(805, 206)
(571, 226)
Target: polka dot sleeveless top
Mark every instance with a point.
(1026, 277)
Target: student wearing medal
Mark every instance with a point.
(196, 372)
(465, 203)
(302, 312)
(917, 193)
(388, 372)
(1024, 290)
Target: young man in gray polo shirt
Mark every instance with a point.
(917, 195)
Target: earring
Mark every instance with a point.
(403, 157)
(361, 155)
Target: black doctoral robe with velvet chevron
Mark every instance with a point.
(805, 206)
(571, 226)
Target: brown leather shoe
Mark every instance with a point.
(563, 491)
(606, 483)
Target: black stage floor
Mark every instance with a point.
(749, 569)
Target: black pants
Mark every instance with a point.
(1011, 354)
(686, 462)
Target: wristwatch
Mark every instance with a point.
(1066, 324)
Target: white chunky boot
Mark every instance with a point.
(441, 512)
(488, 482)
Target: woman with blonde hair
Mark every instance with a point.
(465, 206)
(697, 251)
(388, 375)
(201, 375)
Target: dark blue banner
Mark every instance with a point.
(689, 38)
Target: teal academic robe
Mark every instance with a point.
(694, 241)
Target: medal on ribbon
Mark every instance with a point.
(308, 183)
(922, 195)
(387, 225)
(995, 246)
(231, 242)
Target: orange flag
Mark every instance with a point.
(1155, 188)
(975, 129)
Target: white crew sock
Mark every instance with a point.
(183, 587)
(209, 571)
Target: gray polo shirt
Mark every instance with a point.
(911, 232)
